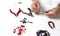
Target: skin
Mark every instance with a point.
(53, 12)
(35, 6)
(50, 13)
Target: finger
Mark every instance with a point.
(32, 8)
(46, 14)
(35, 10)
(50, 15)
(33, 5)
(38, 5)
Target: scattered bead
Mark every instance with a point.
(24, 21)
(19, 2)
(21, 29)
(16, 14)
(14, 31)
(30, 14)
(43, 33)
(49, 23)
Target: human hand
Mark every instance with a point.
(35, 6)
(53, 12)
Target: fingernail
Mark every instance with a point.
(46, 11)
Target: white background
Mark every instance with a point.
(8, 21)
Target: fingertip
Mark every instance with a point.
(46, 13)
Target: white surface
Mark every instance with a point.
(49, 4)
(8, 21)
